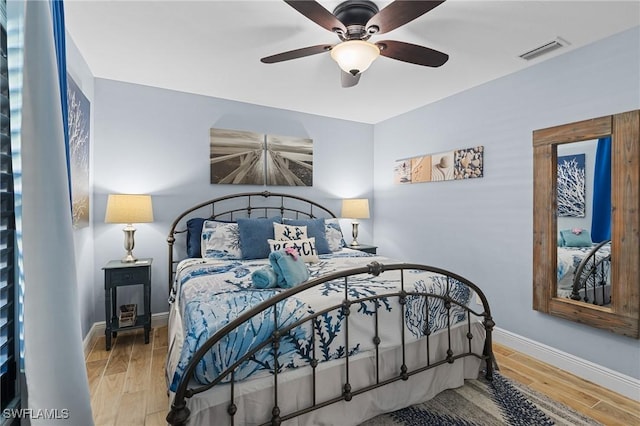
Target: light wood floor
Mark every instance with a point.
(127, 384)
(601, 404)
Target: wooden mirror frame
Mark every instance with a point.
(622, 316)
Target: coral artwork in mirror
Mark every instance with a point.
(571, 185)
(586, 249)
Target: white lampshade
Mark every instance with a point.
(129, 208)
(355, 208)
(355, 56)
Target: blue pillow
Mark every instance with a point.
(315, 229)
(576, 238)
(333, 233)
(194, 236)
(254, 236)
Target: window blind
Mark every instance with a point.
(7, 228)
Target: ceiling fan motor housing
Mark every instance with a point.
(355, 14)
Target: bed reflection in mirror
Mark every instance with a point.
(584, 221)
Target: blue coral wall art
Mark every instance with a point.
(571, 185)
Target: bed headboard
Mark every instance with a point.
(248, 204)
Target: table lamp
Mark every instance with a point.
(355, 208)
(129, 209)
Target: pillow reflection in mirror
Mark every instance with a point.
(572, 238)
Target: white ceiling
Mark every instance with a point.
(213, 48)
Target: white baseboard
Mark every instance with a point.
(98, 328)
(602, 376)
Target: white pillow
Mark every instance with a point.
(220, 240)
(333, 234)
(289, 232)
(306, 248)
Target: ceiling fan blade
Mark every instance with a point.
(412, 53)
(348, 79)
(318, 14)
(399, 13)
(297, 53)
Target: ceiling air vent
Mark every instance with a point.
(544, 49)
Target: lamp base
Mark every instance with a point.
(129, 243)
(354, 233)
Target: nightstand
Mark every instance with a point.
(365, 248)
(121, 274)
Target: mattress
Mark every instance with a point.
(254, 399)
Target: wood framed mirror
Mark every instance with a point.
(620, 313)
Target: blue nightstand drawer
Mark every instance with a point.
(129, 276)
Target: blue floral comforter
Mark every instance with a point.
(209, 293)
(569, 259)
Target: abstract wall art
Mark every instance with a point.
(79, 138)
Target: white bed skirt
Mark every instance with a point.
(254, 399)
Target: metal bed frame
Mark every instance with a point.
(179, 413)
(590, 278)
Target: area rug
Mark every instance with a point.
(483, 403)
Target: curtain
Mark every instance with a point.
(54, 367)
(601, 209)
(57, 12)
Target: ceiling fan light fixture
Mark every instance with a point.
(355, 56)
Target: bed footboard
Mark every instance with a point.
(179, 414)
(593, 276)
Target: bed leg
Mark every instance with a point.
(489, 371)
(178, 415)
(488, 348)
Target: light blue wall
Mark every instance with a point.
(83, 237)
(150, 140)
(482, 228)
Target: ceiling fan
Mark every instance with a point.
(354, 22)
